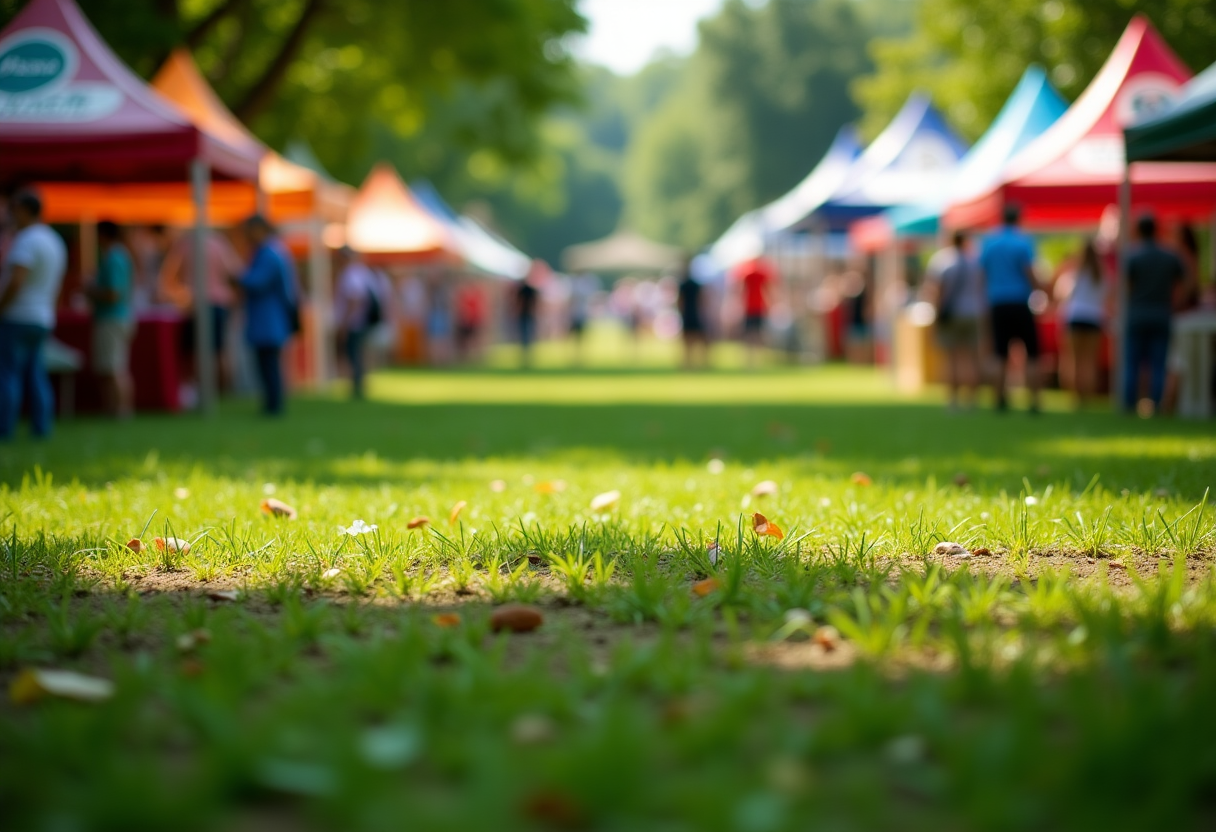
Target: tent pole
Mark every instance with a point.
(322, 299)
(1119, 335)
(88, 247)
(200, 178)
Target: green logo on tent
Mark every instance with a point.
(29, 65)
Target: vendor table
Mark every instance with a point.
(1195, 332)
(155, 362)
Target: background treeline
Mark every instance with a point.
(485, 100)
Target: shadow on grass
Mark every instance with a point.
(898, 443)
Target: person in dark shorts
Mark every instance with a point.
(1154, 274)
(1007, 261)
(527, 299)
(755, 278)
(692, 320)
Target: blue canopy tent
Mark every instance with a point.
(480, 248)
(1033, 106)
(751, 233)
(910, 158)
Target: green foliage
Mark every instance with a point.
(969, 54)
(755, 109)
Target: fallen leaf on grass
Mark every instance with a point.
(33, 684)
(954, 550)
(549, 487)
(456, 509)
(1114, 564)
(418, 522)
(705, 587)
(554, 809)
(827, 637)
(223, 594)
(981, 552)
(192, 668)
(604, 502)
(765, 488)
(516, 618)
(188, 642)
(135, 545)
(447, 620)
(860, 478)
(765, 527)
(278, 508)
(172, 544)
(332, 572)
(533, 729)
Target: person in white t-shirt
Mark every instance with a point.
(30, 278)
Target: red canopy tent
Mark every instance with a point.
(1069, 175)
(71, 111)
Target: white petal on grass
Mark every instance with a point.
(1032, 500)
(716, 466)
(62, 684)
(605, 501)
(331, 573)
(357, 528)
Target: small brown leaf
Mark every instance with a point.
(554, 809)
(456, 509)
(446, 620)
(418, 522)
(961, 480)
(172, 544)
(765, 527)
(860, 478)
(827, 637)
(516, 618)
(135, 545)
(278, 508)
(981, 553)
(765, 488)
(706, 587)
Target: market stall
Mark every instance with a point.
(85, 117)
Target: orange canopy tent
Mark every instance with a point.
(288, 192)
(388, 225)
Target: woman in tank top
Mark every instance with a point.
(1084, 315)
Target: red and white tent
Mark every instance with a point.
(70, 110)
(1070, 175)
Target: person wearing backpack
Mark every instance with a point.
(359, 307)
(954, 282)
(272, 308)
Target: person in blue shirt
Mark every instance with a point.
(271, 308)
(113, 321)
(1007, 261)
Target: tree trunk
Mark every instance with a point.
(262, 92)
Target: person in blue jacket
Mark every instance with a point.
(271, 308)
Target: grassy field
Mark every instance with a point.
(283, 675)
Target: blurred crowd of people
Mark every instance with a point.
(986, 296)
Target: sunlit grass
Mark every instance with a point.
(842, 677)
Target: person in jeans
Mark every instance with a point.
(271, 308)
(1153, 275)
(30, 278)
(954, 280)
(113, 321)
(1083, 291)
(1007, 261)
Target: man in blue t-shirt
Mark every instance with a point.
(1007, 260)
(113, 321)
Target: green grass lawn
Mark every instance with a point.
(281, 675)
